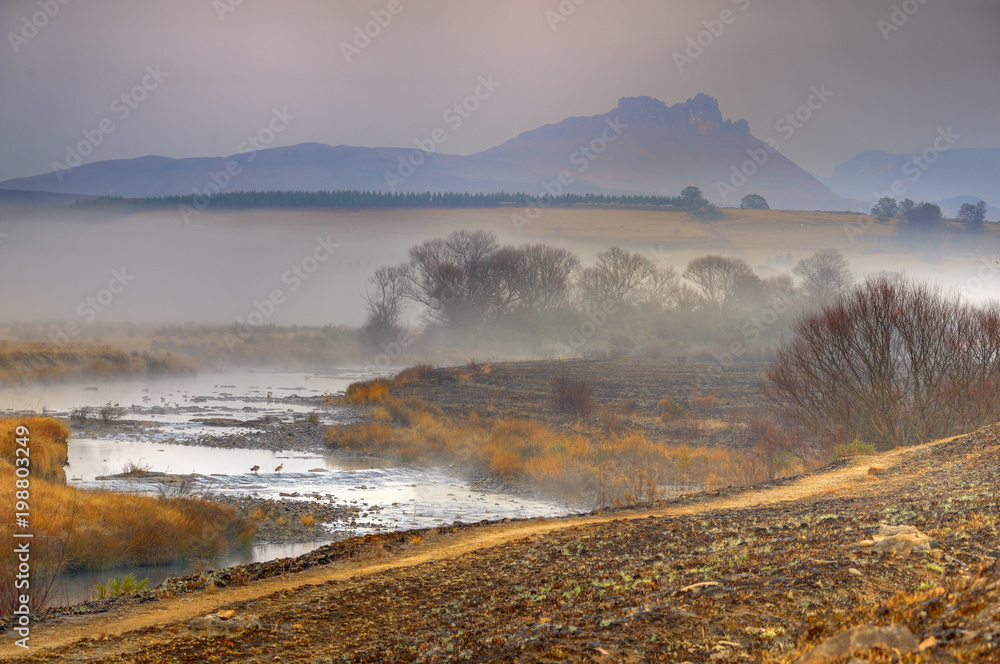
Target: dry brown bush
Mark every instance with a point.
(894, 362)
(572, 397)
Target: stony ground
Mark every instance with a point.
(763, 575)
(259, 433)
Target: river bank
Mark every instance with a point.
(765, 573)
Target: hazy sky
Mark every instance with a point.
(223, 66)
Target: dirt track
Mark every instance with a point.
(65, 632)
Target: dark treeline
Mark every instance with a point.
(357, 200)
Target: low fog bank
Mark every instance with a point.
(70, 275)
(156, 268)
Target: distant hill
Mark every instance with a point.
(950, 207)
(303, 167)
(642, 146)
(973, 172)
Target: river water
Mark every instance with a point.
(406, 497)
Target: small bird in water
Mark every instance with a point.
(255, 469)
(278, 469)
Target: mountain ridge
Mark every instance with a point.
(642, 146)
(931, 175)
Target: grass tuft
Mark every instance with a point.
(120, 585)
(855, 448)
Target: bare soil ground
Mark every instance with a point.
(779, 569)
(715, 397)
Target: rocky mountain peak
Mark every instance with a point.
(699, 115)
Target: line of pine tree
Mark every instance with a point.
(356, 200)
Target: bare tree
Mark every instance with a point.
(688, 299)
(973, 387)
(467, 278)
(508, 279)
(547, 274)
(662, 288)
(779, 289)
(384, 298)
(893, 361)
(718, 277)
(453, 277)
(825, 276)
(627, 277)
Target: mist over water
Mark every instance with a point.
(185, 273)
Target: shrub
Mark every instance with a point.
(81, 414)
(770, 450)
(572, 397)
(109, 414)
(612, 421)
(895, 361)
(478, 367)
(670, 410)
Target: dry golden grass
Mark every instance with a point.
(74, 528)
(98, 529)
(366, 392)
(34, 361)
(47, 437)
(614, 464)
(27, 352)
(366, 436)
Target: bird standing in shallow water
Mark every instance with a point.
(278, 469)
(255, 469)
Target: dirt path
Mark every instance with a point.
(169, 610)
